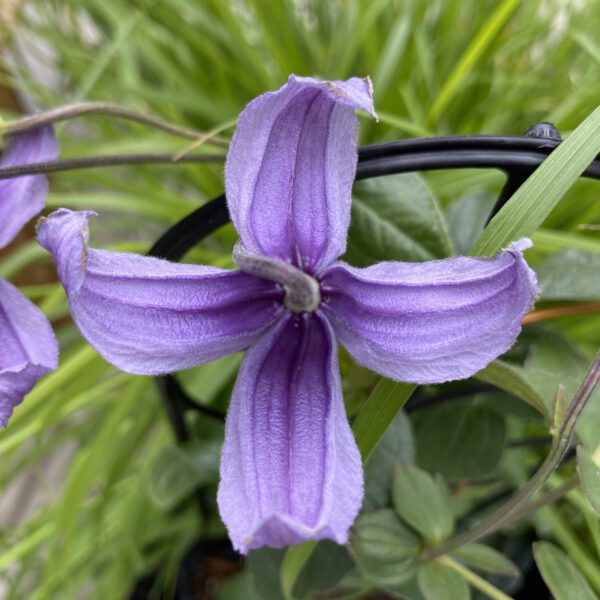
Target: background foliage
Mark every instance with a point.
(106, 495)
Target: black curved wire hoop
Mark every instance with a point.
(518, 157)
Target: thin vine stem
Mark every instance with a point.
(110, 160)
(562, 441)
(549, 497)
(475, 580)
(79, 109)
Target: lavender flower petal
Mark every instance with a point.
(430, 322)
(290, 168)
(28, 349)
(148, 316)
(21, 198)
(290, 468)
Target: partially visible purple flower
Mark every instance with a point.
(28, 348)
(21, 198)
(290, 468)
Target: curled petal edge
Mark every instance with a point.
(146, 315)
(430, 322)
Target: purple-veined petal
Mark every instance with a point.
(290, 468)
(21, 198)
(147, 315)
(434, 321)
(28, 348)
(290, 168)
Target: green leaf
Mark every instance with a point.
(570, 275)
(535, 199)
(293, 562)
(459, 439)
(395, 218)
(239, 586)
(589, 475)
(484, 558)
(422, 503)
(263, 566)
(325, 568)
(513, 379)
(177, 471)
(467, 217)
(438, 582)
(560, 574)
(385, 550)
(555, 361)
(396, 445)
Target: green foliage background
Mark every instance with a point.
(118, 509)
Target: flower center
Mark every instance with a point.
(302, 292)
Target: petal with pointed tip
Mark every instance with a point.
(147, 315)
(290, 168)
(434, 321)
(290, 468)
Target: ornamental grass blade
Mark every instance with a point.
(534, 200)
(474, 52)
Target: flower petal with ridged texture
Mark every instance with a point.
(434, 321)
(21, 198)
(290, 468)
(290, 168)
(28, 348)
(146, 315)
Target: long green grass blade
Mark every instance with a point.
(535, 199)
(377, 413)
(474, 52)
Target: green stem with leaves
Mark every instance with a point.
(561, 442)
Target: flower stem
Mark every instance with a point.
(475, 580)
(548, 498)
(112, 160)
(72, 111)
(518, 502)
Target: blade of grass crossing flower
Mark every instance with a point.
(473, 53)
(377, 413)
(372, 421)
(535, 199)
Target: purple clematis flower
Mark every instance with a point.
(290, 468)
(28, 349)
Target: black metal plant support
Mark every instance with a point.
(518, 157)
